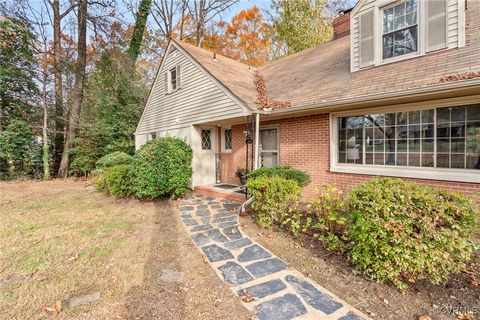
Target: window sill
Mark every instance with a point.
(455, 175)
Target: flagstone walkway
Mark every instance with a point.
(278, 292)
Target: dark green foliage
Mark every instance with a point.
(17, 70)
(19, 154)
(139, 29)
(118, 180)
(402, 232)
(98, 177)
(112, 107)
(275, 197)
(301, 177)
(114, 159)
(162, 167)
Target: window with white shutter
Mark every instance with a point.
(436, 25)
(366, 39)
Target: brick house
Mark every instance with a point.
(395, 93)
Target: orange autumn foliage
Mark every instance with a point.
(247, 38)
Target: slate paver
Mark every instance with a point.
(253, 253)
(266, 267)
(201, 239)
(190, 222)
(237, 244)
(202, 227)
(350, 316)
(215, 253)
(264, 289)
(314, 297)
(216, 235)
(235, 274)
(213, 226)
(232, 233)
(286, 307)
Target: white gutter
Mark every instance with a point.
(380, 96)
(257, 140)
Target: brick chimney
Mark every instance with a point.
(341, 24)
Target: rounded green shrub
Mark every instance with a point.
(98, 177)
(162, 167)
(289, 173)
(401, 232)
(118, 180)
(274, 198)
(114, 159)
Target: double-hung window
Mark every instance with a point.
(435, 138)
(172, 79)
(400, 29)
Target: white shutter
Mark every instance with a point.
(436, 24)
(166, 82)
(366, 39)
(179, 78)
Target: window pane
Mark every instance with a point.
(443, 115)
(228, 139)
(427, 145)
(427, 160)
(368, 158)
(388, 20)
(378, 159)
(458, 113)
(427, 116)
(414, 160)
(402, 159)
(427, 131)
(457, 161)
(473, 161)
(473, 113)
(414, 117)
(390, 159)
(206, 140)
(443, 160)
(268, 139)
(414, 145)
(457, 129)
(342, 157)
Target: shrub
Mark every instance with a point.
(162, 167)
(299, 176)
(401, 231)
(114, 159)
(99, 182)
(118, 180)
(275, 197)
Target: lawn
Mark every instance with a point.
(62, 239)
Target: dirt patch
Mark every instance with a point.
(379, 301)
(62, 239)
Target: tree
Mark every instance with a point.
(299, 24)
(203, 11)
(16, 144)
(77, 95)
(17, 70)
(246, 38)
(138, 30)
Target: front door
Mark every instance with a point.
(269, 138)
(204, 168)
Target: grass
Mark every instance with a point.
(62, 238)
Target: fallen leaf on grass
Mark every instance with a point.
(56, 308)
(424, 318)
(205, 260)
(75, 257)
(247, 296)
(465, 316)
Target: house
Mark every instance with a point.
(395, 93)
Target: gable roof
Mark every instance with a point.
(234, 75)
(321, 75)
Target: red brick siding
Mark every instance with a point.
(341, 26)
(227, 169)
(305, 144)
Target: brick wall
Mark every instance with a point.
(304, 144)
(341, 26)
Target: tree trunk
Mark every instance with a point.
(57, 58)
(200, 23)
(45, 149)
(140, 23)
(77, 91)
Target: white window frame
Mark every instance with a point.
(222, 138)
(378, 31)
(170, 86)
(444, 174)
(278, 144)
(212, 140)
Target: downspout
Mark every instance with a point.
(255, 160)
(257, 139)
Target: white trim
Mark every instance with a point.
(245, 108)
(458, 175)
(444, 174)
(461, 23)
(222, 139)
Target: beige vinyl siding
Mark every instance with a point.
(198, 100)
(453, 22)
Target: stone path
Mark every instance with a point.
(278, 292)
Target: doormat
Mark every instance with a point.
(225, 186)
